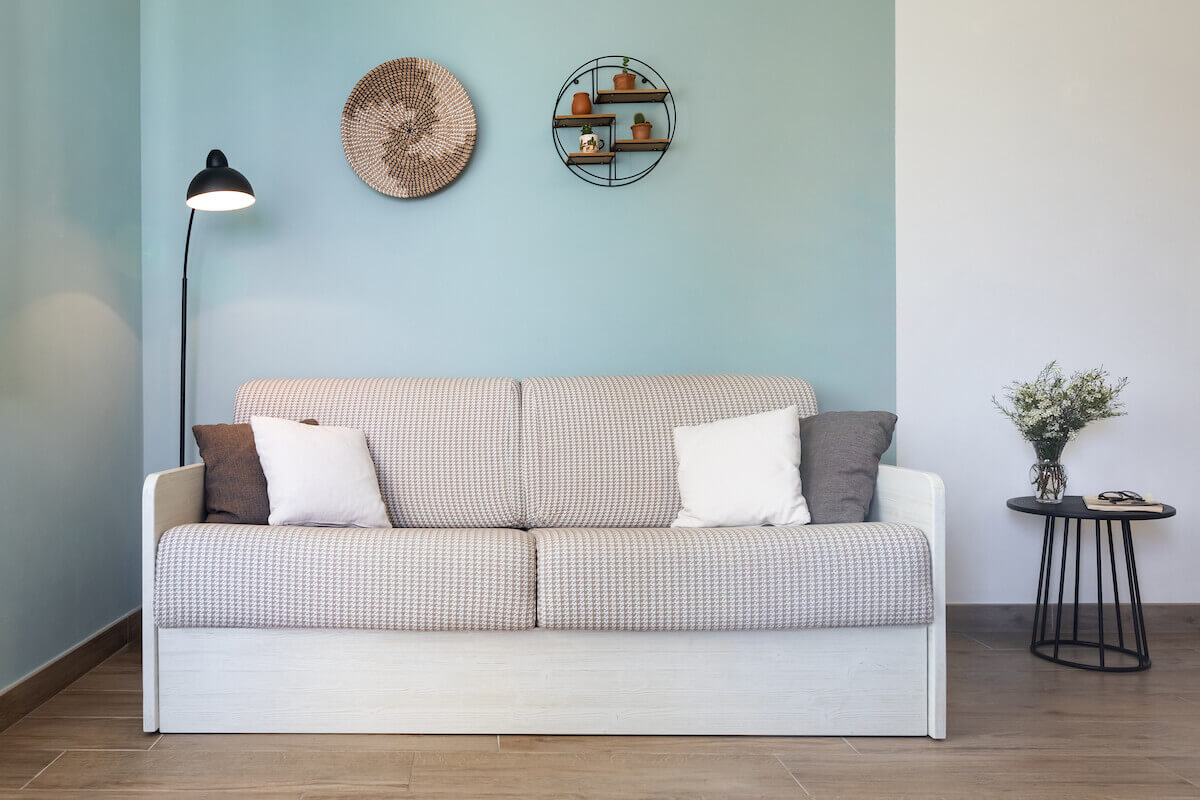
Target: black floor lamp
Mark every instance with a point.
(217, 187)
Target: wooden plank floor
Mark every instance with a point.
(1019, 727)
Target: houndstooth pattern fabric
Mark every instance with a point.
(598, 451)
(708, 579)
(255, 576)
(446, 449)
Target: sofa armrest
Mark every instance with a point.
(169, 498)
(919, 499)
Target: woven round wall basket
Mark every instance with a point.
(408, 127)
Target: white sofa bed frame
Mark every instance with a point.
(884, 681)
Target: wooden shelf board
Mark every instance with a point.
(577, 120)
(589, 158)
(640, 144)
(630, 95)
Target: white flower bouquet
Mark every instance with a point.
(1051, 410)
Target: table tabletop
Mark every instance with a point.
(1072, 507)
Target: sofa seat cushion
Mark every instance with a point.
(258, 576)
(701, 579)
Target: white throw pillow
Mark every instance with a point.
(741, 471)
(318, 475)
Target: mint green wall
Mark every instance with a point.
(764, 242)
(70, 320)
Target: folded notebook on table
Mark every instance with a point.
(1149, 505)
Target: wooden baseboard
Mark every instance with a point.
(38, 687)
(1009, 617)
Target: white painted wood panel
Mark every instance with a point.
(169, 498)
(919, 499)
(856, 681)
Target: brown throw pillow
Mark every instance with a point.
(235, 488)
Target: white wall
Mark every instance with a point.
(1048, 206)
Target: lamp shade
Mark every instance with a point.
(218, 187)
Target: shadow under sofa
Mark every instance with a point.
(532, 583)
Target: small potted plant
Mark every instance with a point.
(623, 80)
(640, 128)
(589, 142)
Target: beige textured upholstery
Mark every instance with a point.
(596, 461)
(598, 451)
(257, 576)
(705, 579)
(446, 449)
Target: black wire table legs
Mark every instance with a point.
(1113, 654)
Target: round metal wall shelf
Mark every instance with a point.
(604, 168)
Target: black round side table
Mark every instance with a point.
(1073, 508)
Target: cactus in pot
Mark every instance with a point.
(640, 128)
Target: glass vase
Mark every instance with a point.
(1048, 476)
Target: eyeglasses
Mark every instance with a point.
(1122, 496)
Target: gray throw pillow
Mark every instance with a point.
(839, 461)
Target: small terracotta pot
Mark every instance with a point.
(641, 130)
(623, 80)
(582, 103)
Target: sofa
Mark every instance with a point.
(531, 582)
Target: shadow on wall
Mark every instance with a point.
(61, 315)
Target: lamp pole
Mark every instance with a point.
(187, 244)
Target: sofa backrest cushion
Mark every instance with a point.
(446, 449)
(598, 451)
